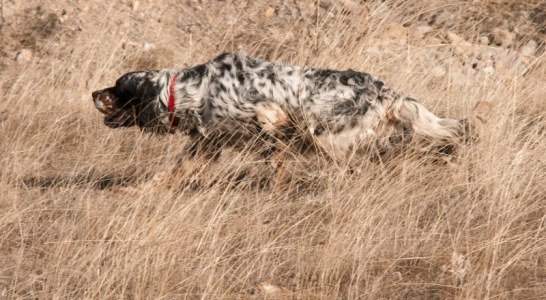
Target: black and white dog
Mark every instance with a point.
(234, 98)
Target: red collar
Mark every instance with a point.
(173, 119)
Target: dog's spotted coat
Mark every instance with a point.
(235, 95)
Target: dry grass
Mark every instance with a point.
(77, 220)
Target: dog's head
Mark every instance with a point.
(131, 101)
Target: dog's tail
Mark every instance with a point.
(423, 122)
(417, 117)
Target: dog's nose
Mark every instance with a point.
(95, 94)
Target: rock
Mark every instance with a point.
(64, 16)
(397, 31)
(484, 40)
(529, 49)
(503, 37)
(374, 50)
(488, 70)
(269, 12)
(350, 5)
(24, 56)
(148, 46)
(421, 31)
(444, 19)
(433, 41)
(458, 41)
(438, 71)
(78, 26)
(269, 291)
(525, 30)
(454, 39)
(326, 4)
(424, 29)
(267, 288)
(459, 78)
(135, 4)
(210, 18)
(8, 9)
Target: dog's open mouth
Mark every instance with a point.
(118, 120)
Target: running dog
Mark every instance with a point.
(233, 99)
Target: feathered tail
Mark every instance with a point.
(423, 122)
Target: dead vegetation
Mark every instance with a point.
(78, 219)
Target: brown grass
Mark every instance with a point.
(77, 219)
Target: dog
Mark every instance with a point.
(233, 99)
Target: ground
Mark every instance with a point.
(79, 217)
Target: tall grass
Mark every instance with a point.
(78, 218)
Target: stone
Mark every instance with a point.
(25, 55)
(135, 4)
(269, 12)
(438, 71)
(503, 37)
(8, 8)
(421, 31)
(424, 29)
(458, 41)
(488, 70)
(326, 4)
(148, 46)
(484, 40)
(269, 291)
(397, 31)
(529, 49)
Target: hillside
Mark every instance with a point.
(80, 217)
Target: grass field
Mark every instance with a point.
(79, 221)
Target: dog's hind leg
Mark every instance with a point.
(273, 121)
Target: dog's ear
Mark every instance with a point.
(147, 112)
(129, 81)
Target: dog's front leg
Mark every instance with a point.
(200, 149)
(197, 155)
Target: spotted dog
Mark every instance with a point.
(233, 99)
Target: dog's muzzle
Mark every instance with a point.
(115, 117)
